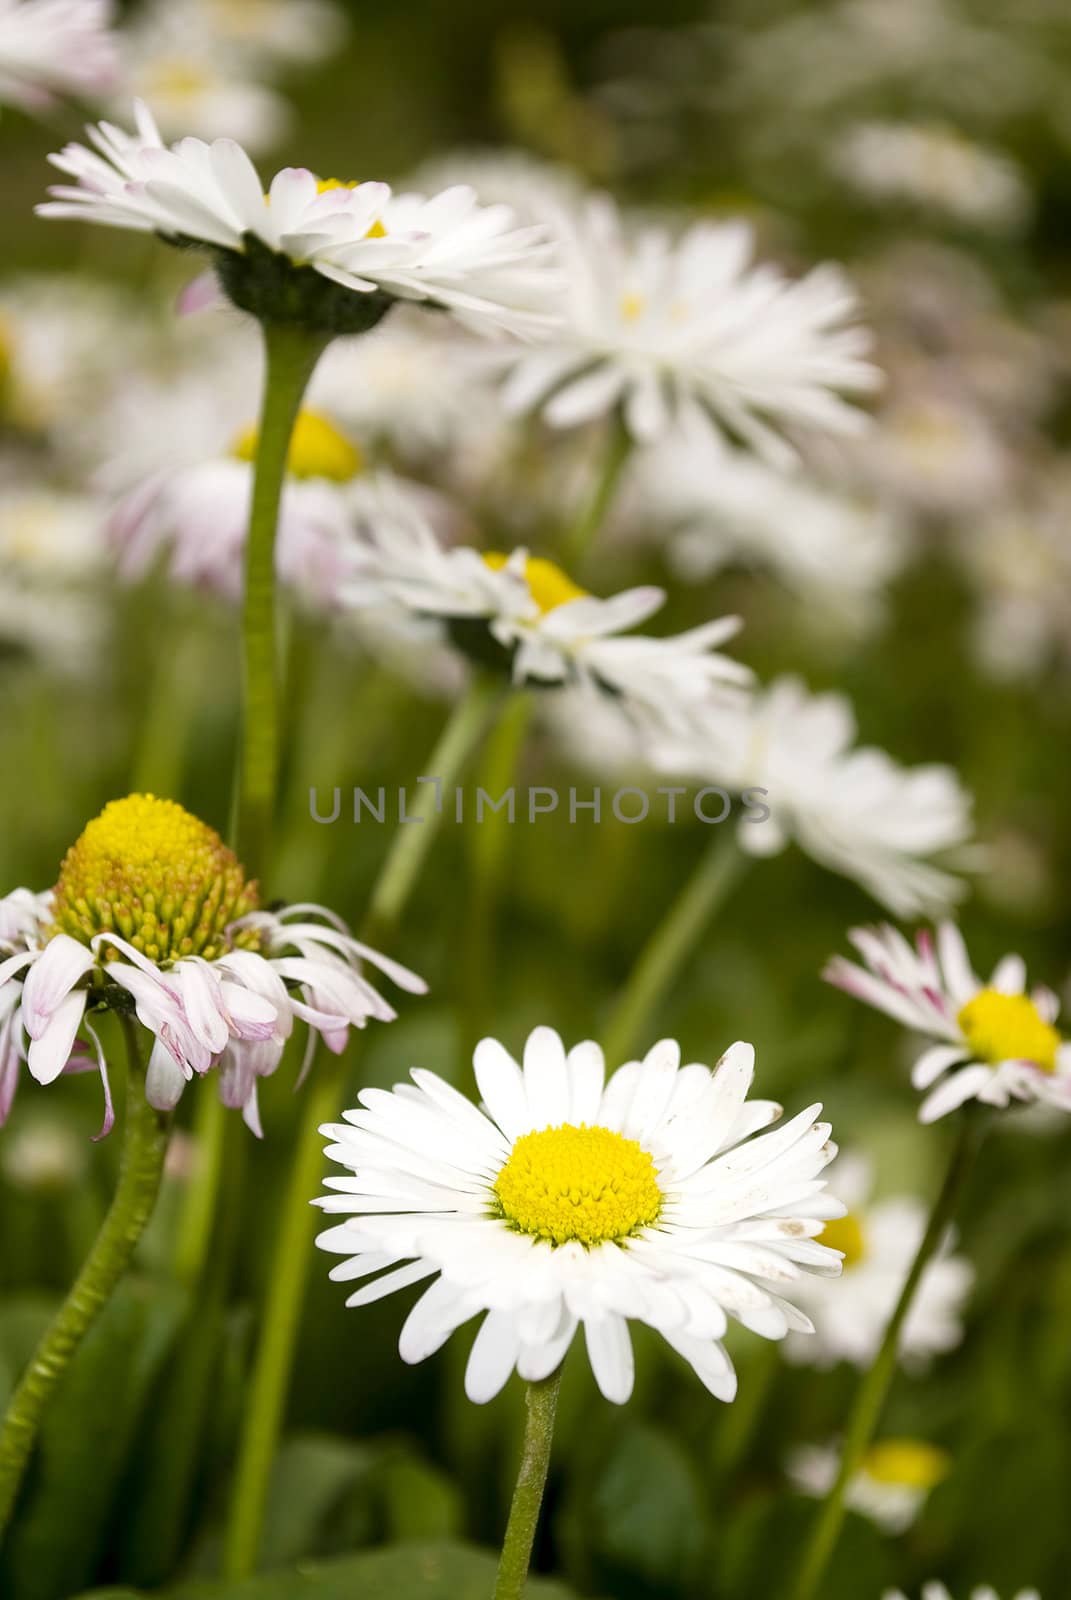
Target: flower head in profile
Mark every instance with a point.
(993, 1041)
(681, 330)
(526, 615)
(320, 253)
(50, 49)
(153, 914)
(567, 1200)
(878, 1240)
(852, 808)
(891, 1486)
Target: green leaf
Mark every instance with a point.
(313, 1474)
(84, 1442)
(434, 1571)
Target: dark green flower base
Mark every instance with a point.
(274, 290)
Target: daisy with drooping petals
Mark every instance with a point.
(52, 48)
(569, 1201)
(937, 1591)
(891, 1486)
(286, 253)
(879, 1240)
(852, 808)
(995, 1042)
(152, 912)
(527, 616)
(678, 330)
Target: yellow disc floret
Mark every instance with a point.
(846, 1234)
(906, 1463)
(148, 870)
(585, 1184)
(1008, 1027)
(317, 450)
(550, 587)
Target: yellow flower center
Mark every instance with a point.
(632, 307)
(846, 1234)
(148, 870)
(317, 450)
(1008, 1027)
(550, 587)
(587, 1184)
(179, 80)
(906, 1463)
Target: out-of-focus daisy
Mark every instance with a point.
(879, 1240)
(200, 513)
(411, 384)
(538, 191)
(854, 809)
(674, 330)
(937, 1591)
(51, 548)
(995, 1042)
(290, 243)
(67, 344)
(195, 85)
(152, 911)
(266, 32)
(526, 615)
(934, 166)
(715, 507)
(50, 49)
(890, 1487)
(569, 1201)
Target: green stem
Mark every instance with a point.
(413, 840)
(141, 1167)
(541, 1400)
(873, 1390)
(581, 536)
(290, 356)
(280, 1325)
(719, 869)
(193, 1232)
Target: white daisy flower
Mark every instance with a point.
(265, 32)
(567, 1201)
(304, 234)
(525, 614)
(51, 548)
(678, 330)
(934, 166)
(891, 1486)
(714, 507)
(172, 60)
(853, 809)
(879, 1240)
(994, 1041)
(152, 912)
(937, 1591)
(200, 514)
(414, 384)
(55, 48)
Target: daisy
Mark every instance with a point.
(879, 1240)
(152, 912)
(322, 253)
(852, 808)
(994, 1042)
(933, 166)
(675, 330)
(52, 48)
(199, 513)
(714, 508)
(891, 1486)
(567, 1200)
(524, 614)
(51, 550)
(937, 1591)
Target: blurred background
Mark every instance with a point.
(926, 145)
